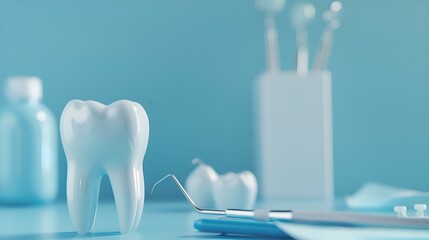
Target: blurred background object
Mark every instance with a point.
(270, 8)
(191, 63)
(301, 14)
(28, 144)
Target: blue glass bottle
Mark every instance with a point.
(28, 144)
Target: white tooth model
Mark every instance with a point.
(235, 190)
(104, 140)
(199, 184)
(231, 190)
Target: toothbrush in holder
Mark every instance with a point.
(271, 8)
(331, 18)
(301, 15)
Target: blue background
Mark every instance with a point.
(191, 63)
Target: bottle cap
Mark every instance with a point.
(24, 87)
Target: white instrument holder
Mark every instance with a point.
(294, 134)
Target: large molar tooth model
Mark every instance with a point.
(104, 140)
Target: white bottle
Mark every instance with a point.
(28, 144)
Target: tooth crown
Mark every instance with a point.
(106, 128)
(104, 140)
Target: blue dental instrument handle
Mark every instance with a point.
(240, 227)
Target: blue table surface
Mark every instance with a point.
(160, 220)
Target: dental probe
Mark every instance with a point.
(308, 217)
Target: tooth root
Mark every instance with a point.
(128, 189)
(83, 187)
(140, 203)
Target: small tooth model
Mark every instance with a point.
(199, 184)
(235, 190)
(104, 140)
(231, 190)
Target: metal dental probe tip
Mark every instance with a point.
(259, 214)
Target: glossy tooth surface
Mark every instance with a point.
(235, 190)
(199, 184)
(104, 140)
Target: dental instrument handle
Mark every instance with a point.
(270, 8)
(301, 52)
(331, 16)
(259, 214)
(302, 13)
(271, 42)
(322, 54)
(331, 218)
(309, 217)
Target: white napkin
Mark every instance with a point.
(375, 196)
(312, 232)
